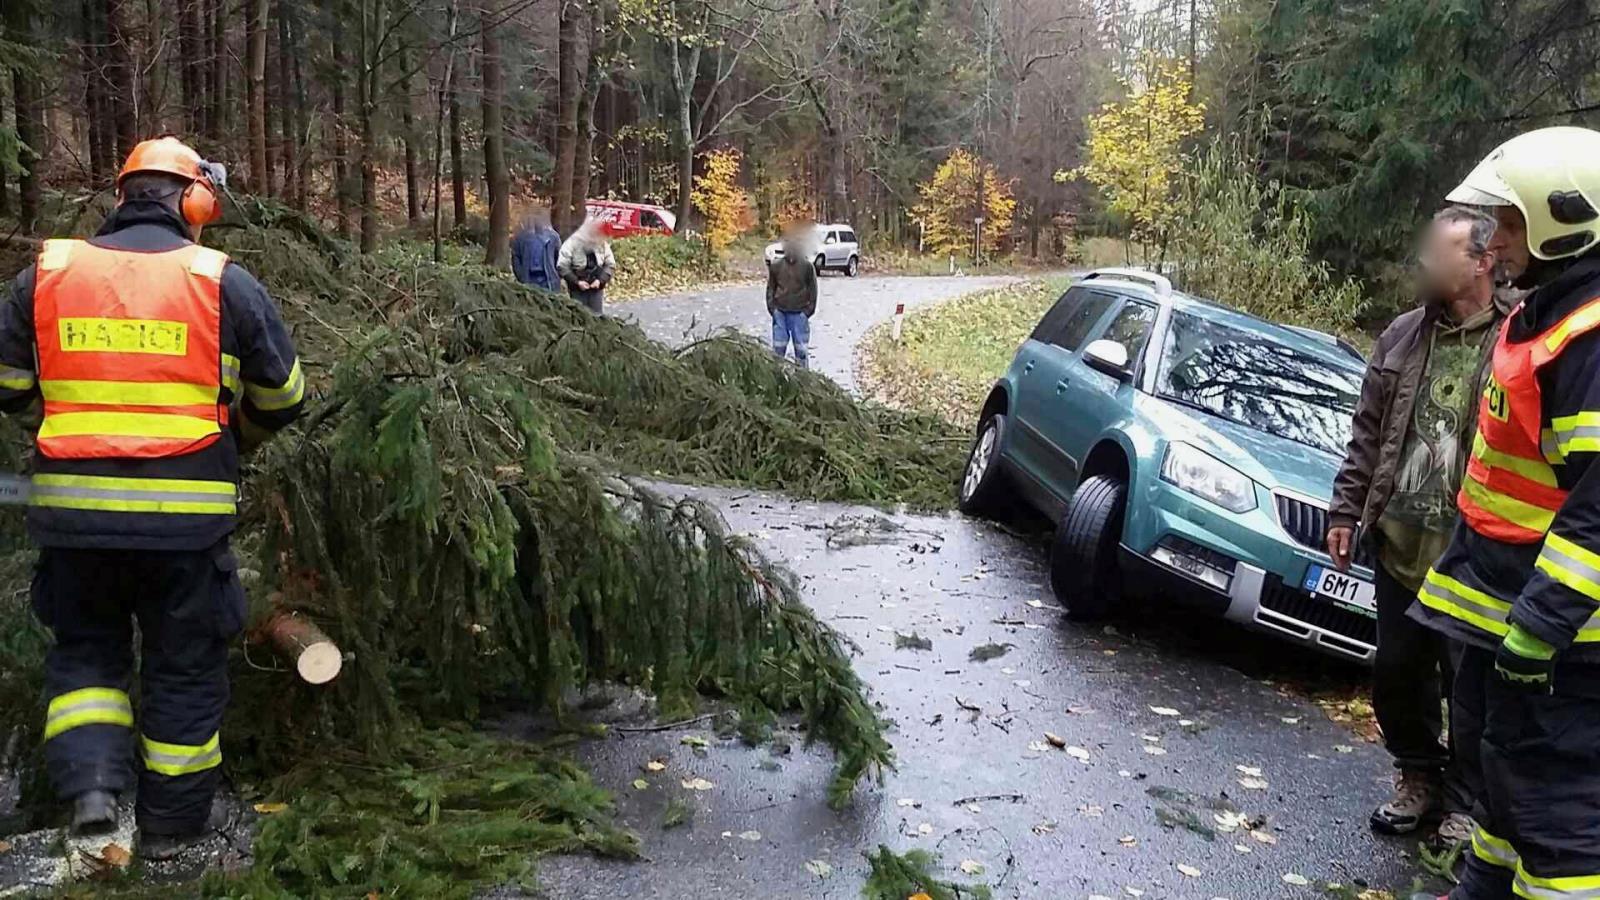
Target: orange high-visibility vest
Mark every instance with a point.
(1510, 493)
(130, 350)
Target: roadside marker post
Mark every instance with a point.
(899, 316)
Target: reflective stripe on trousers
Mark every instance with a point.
(147, 495)
(180, 759)
(87, 706)
(1444, 594)
(1572, 887)
(1492, 850)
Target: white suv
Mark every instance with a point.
(835, 247)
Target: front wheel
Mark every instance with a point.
(853, 267)
(1083, 560)
(820, 263)
(983, 482)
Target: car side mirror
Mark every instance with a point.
(831, 240)
(1109, 357)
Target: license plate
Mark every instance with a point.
(1347, 590)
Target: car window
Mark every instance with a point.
(1130, 327)
(1075, 330)
(848, 237)
(648, 219)
(1058, 315)
(832, 238)
(1248, 378)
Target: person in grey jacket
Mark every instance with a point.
(792, 300)
(586, 263)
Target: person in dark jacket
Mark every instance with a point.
(1413, 427)
(153, 362)
(792, 299)
(535, 249)
(586, 263)
(1519, 583)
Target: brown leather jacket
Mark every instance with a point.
(1365, 481)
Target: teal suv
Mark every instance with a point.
(1186, 452)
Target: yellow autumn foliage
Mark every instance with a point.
(950, 202)
(1135, 147)
(720, 199)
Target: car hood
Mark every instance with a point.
(1276, 462)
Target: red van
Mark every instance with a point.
(632, 219)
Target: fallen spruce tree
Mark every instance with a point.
(466, 510)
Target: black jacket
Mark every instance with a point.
(791, 286)
(1569, 386)
(251, 330)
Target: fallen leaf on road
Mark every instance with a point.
(1291, 720)
(640, 784)
(971, 867)
(1188, 870)
(114, 854)
(1128, 840)
(1229, 820)
(655, 765)
(1022, 683)
(1007, 670)
(1154, 739)
(270, 809)
(974, 808)
(1241, 848)
(912, 641)
(749, 835)
(1253, 784)
(1079, 754)
(1344, 748)
(1044, 827)
(1081, 710)
(5, 846)
(1153, 750)
(820, 868)
(907, 801)
(925, 828)
(1292, 878)
(1251, 771)
(1185, 723)
(695, 741)
(1038, 747)
(1092, 812)
(1134, 892)
(986, 652)
(1163, 710)
(1264, 837)
(919, 896)
(697, 784)
(1055, 740)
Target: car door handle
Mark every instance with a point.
(1027, 368)
(1062, 385)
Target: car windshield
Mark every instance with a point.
(1247, 378)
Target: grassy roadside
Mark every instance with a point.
(950, 354)
(647, 266)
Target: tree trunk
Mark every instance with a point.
(26, 99)
(458, 172)
(255, 68)
(497, 253)
(5, 194)
(119, 72)
(316, 658)
(371, 28)
(189, 68)
(93, 37)
(446, 88)
(566, 114)
(217, 117)
(408, 123)
(152, 71)
(593, 77)
(288, 137)
(683, 86)
(341, 173)
(302, 120)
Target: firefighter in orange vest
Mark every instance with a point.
(1519, 585)
(154, 362)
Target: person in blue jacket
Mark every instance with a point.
(533, 252)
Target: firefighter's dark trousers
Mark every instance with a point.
(1540, 837)
(187, 605)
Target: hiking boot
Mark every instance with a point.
(1416, 795)
(1456, 830)
(166, 846)
(94, 812)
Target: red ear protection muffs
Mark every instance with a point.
(200, 203)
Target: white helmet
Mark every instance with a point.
(1553, 176)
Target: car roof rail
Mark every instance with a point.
(1327, 338)
(1161, 284)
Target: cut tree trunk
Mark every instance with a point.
(567, 89)
(315, 657)
(497, 253)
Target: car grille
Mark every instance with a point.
(1298, 605)
(1307, 523)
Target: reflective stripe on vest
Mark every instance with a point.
(87, 706)
(180, 759)
(130, 355)
(1443, 594)
(1510, 493)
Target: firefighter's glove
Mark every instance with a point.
(1524, 662)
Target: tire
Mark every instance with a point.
(821, 264)
(853, 267)
(1083, 558)
(982, 489)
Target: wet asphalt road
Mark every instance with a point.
(846, 309)
(1181, 720)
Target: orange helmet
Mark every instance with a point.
(200, 204)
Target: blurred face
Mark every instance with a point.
(1510, 242)
(1449, 267)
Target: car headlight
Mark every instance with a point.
(1203, 475)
